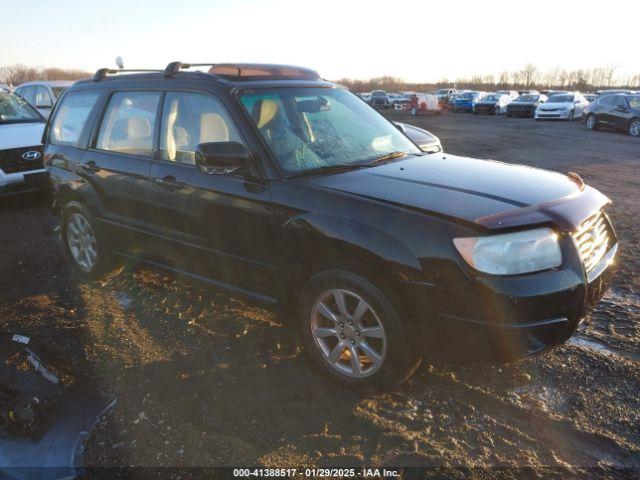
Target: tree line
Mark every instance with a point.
(529, 77)
(18, 74)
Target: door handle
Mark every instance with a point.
(90, 167)
(169, 183)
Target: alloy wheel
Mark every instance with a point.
(634, 128)
(591, 122)
(82, 242)
(348, 333)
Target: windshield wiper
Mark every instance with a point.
(336, 168)
(386, 157)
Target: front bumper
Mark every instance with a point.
(525, 111)
(557, 114)
(485, 108)
(514, 315)
(22, 182)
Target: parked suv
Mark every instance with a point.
(272, 183)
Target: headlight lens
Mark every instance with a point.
(512, 253)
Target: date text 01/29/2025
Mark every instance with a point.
(315, 472)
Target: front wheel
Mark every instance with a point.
(414, 111)
(496, 111)
(634, 127)
(572, 115)
(352, 332)
(591, 122)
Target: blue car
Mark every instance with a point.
(465, 101)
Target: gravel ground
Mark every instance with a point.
(205, 379)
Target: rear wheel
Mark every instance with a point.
(352, 332)
(634, 127)
(591, 122)
(572, 115)
(85, 243)
(496, 110)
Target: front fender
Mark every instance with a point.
(317, 241)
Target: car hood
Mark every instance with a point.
(16, 135)
(464, 189)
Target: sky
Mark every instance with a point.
(418, 41)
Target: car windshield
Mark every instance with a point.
(309, 129)
(378, 94)
(634, 101)
(528, 98)
(14, 109)
(442, 91)
(560, 98)
(491, 98)
(468, 95)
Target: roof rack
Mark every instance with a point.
(247, 71)
(103, 72)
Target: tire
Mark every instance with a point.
(508, 115)
(414, 111)
(496, 111)
(381, 360)
(85, 243)
(634, 127)
(591, 122)
(572, 115)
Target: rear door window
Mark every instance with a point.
(71, 117)
(129, 123)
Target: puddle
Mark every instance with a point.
(600, 347)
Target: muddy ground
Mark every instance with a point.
(205, 379)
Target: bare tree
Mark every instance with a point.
(18, 74)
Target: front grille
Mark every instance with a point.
(485, 108)
(593, 239)
(11, 160)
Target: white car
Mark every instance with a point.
(43, 94)
(5, 88)
(21, 128)
(562, 106)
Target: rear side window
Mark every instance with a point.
(129, 123)
(189, 119)
(71, 117)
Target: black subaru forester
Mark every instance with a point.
(271, 183)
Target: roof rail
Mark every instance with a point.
(103, 72)
(175, 67)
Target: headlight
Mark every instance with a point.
(512, 253)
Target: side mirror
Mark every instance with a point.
(400, 127)
(222, 158)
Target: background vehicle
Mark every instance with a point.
(562, 106)
(424, 102)
(512, 93)
(465, 101)
(616, 111)
(525, 105)
(380, 99)
(5, 87)
(426, 140)
(492, 104)
(21, 127)
(445, 96)
(403, 102)
(590, 97)
(42, 95)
